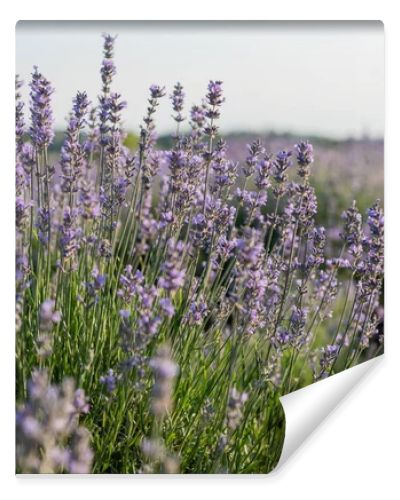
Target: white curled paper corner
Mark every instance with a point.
(307, 408)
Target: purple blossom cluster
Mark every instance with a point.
(72, 152)
(49, 438)
(41, 129)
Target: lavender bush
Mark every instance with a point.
(161, 308)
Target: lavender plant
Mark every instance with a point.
(162, 284)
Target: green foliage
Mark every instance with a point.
(131, 141)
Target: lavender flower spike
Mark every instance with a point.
(305, 156)
(41, 130)
(108, 67)
(177, 98)
(19, 116)
(174, 275)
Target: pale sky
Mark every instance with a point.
(320, 78)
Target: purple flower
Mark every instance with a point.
(177, 98)
(70, 233)
(119, 191)
(225, 247)
(214, 101)
(201, 230)
(264, 168)
(225, 170)
(92, 139)
(107, 67)
(352, 232)
(369, 270)
(305, 156)
(298, 320)
(21, 213)
(97, 284)
(197, 311)
(48, 316)
(43, 224)
(109, 380)
(88, 202)
(132, 283)
(375, 219)
(156, 91)
(80, 107)
(46, 422)
(147, 322)
(305, 204)
(283, 337)
(115, 106)
(256, 151)
(80, 455)
(167, 307)
(250, 249)
(177, 163)
(173, 274)
(148, 135)
(329, 355)
(19, 116)
(108, 46)
(222, 215)
(198, 116)
(27, 157)
(41, 129)
(22, 270)
(282, 163)
(73, 157)
(214, 95)
(252, 202)
(316, 254)
(80, 402)
(166, 218)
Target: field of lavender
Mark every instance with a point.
(166, 297)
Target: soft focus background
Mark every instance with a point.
(282, 81)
